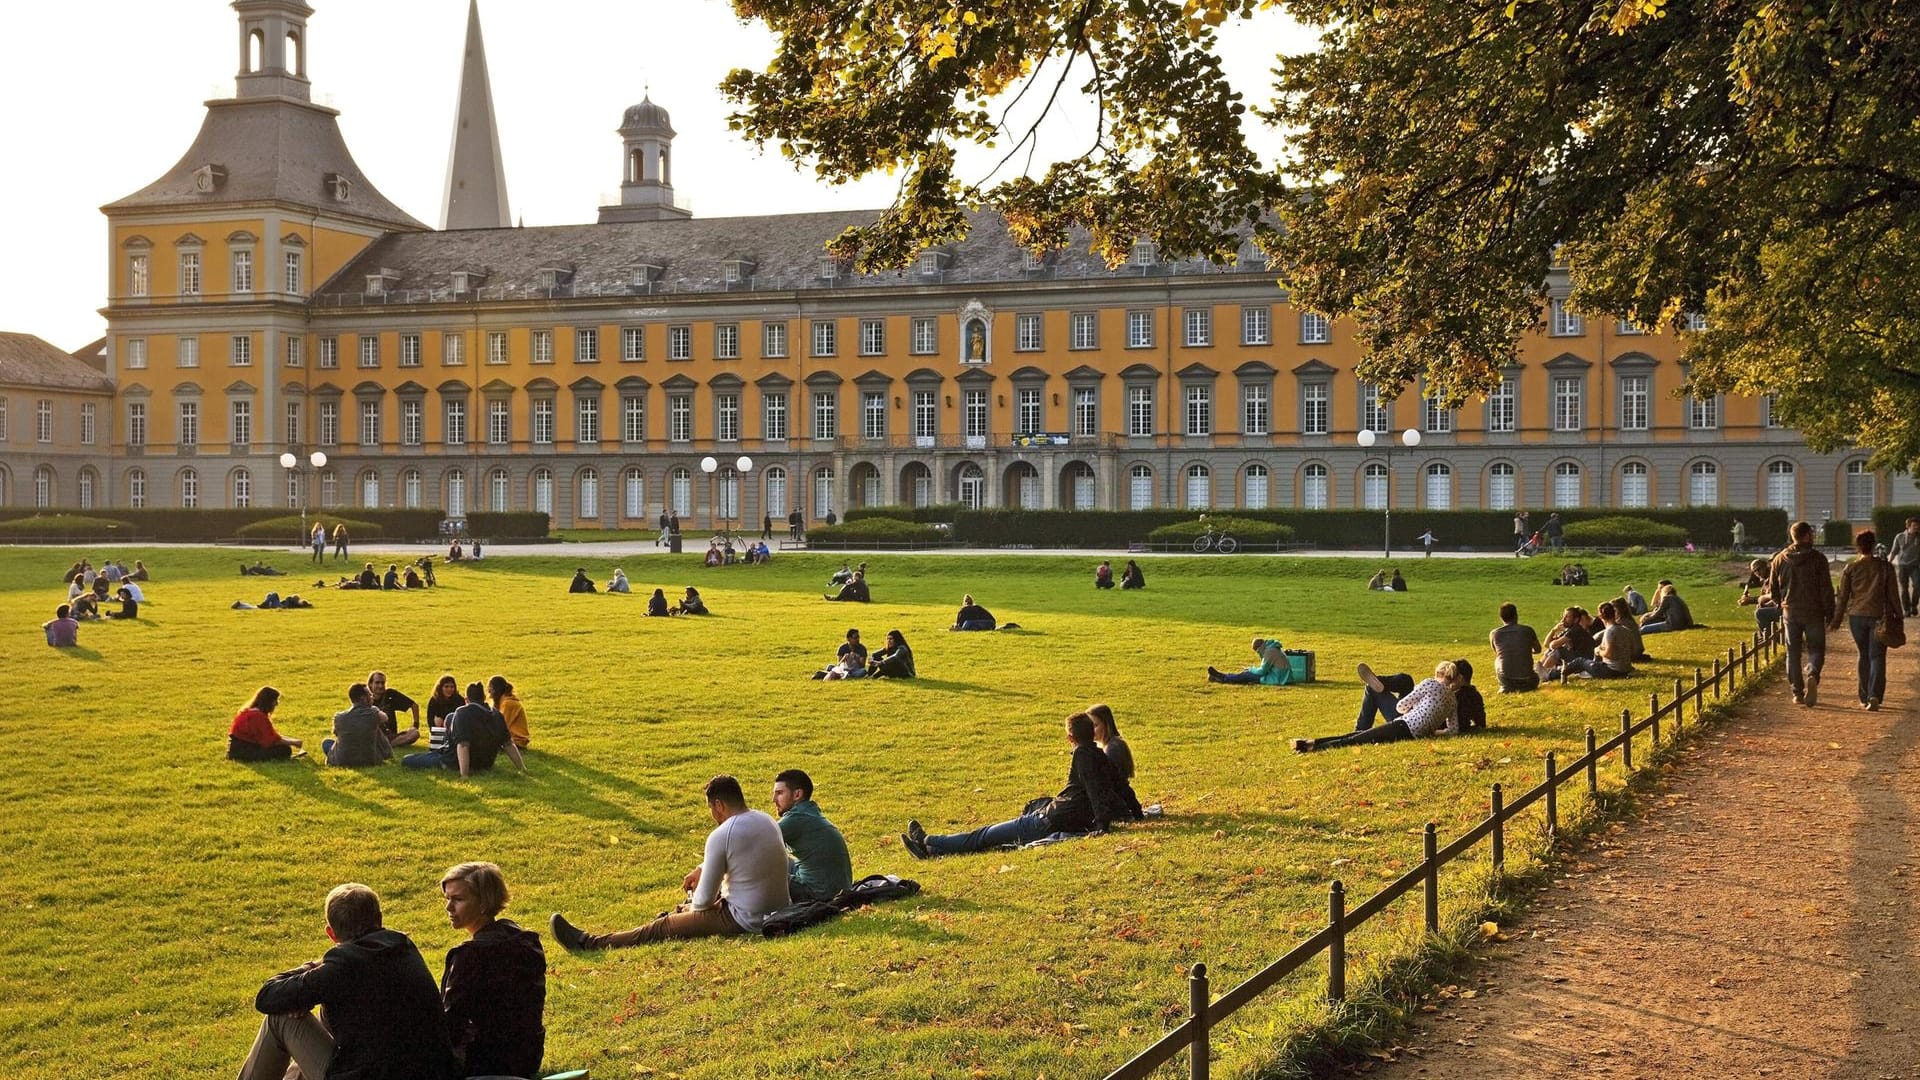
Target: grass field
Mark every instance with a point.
(149, 886)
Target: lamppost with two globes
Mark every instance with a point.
(1367, 438)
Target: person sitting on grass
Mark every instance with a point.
(855, 590)
(1103, 575)
(495, 987)
(1755, 584)
(1090, 803)
(507, 704)
(1571, 640)
(476, 734)
(1514, 647)
(410, 578)
(893, 662)
(742, 881)
(1398, 584)
(1378, 582)
(1467, 702)
(453, 552)
(85, 607)
(392, 703)
(139, 572)
(850, 662)
(820, 866)
(1612, 656)
(128, 586)
(581, 583)
(1272, 670)
(1107, 734)
(445, 700)
(657, 604)
(368, 579)
(1132, 577)
(63, 630)
(1636, 604)
(973, 617)
(691, 604)
(252, 736)
(714, 555)
(1669, 612)
(357, 735)
(1418, 710)
(619, 583)
(1630, 629)
(381, 1014)
(391, 579)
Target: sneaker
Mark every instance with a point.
(916, 848)
(1367, 676)
(1799, 697)
(1873, 705)
(1213, 673)
(570, 937)
(915, 830)
(1152, 810)
(1813, 691)
(1301, 746)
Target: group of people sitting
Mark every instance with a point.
(850, 584)
(1131, 578)
(415, 575)
(690, 603)
(1379, 582)
(1571, 574)
(722, 553)
(1604, 644)
(1098, 795)
(89, 602)
(113, 570)
(851, 661)
(1447, 703)
(465, 733)
(454, 555)
(382, 1015)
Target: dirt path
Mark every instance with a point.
(1760, 919)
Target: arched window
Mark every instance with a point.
(1025, 482)
(86, 489)
(1253, 495)
(189, 488)
(729, 493)
(1373, 486)
(1439, 494)
(296, 59)
(1860, 491)
(1080, 490)
(680, 490)
(410, 489)
(543, 491)
(499, 490)
(242, 488)
(1566, 484)
(43, 487)
(1140, 487)
(456, 494)
(823, 491)
(1199, 487)
(1313, 484)
(256, 51)
(1636, 487)
(136, 488)
(777, 492)
(1703, 484)
(369, 488)
(589, 508)
(1782, 491)
(1501, 484)
(633, 494)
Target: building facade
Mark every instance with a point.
(265, 297)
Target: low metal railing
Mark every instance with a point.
(1206, 1012)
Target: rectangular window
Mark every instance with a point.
(1256, 324)
(1567, 415)
(453, 349)
(1501, 407)
(543, 422)
(1086, 412)
(586, 416)
(135, 351)
(586, 345)
(633, 419)
(679, 342)
(726, 341)
(411, 426)
(242, 428)
(633, 343)
(926, 415)
(189, 423)
(542, 347)
(1197, 328)
(296, 280)
(973, 415)
(1026, 415)
(456, 424)
(369, 350)
(293, 424)
(1693, 322)
(1703, 412)
(496, 346)
(1139, 329)
(826, 415)
(1314, 329)
(329, 423)
(1026, 333)
(43, 420)
(240, 350)
(86, 423)
(1375, 415)
(1564, 322)
(925, 336)
(824, 340)
(296, 353)
(329, 352)
(370, 423)
(680, 418)
(873, 415)
(726, 409)
(774, 418)
(1635, 401)
(1439, 418)
(499, 423)
(409, 350)
(189, 273)
(1315, 410)
(873, 337)
(773, 340)
(1139, 411)
(189, 352)
(1086, 331)
(1199, 410)
(136, 423)
(1769, 416)
(1628, 328)
(1256, 412)
(243, 271)
(139, 280)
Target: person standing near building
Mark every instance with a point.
(319, 542)
(1519, 532)
(1801, 581)
(1905, 557)
(1555, 533)
(1739, 537)
(766, 525)
(340, 541)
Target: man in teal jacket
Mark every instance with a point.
(1272, 670)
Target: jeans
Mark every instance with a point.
(1392, 731)
(974, 624)
(1652, 628)
(1383, 702)
(1251, 675)
(1764, 617)
(1810, 639)
(1909, 577)
(1594, 666)
(432, 759)
(1024, 829)
(320, 553)
(1873, 657)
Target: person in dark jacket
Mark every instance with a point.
(581, 582)
(1132, 578)
(1669, 611)
(895, 661)
(657, 604)
(854, 590)
(1800, 579)
(973, 617)
(380, 1012)
(1089, 803)
(495, 986)
(1107, 734)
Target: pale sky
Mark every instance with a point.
(102, 98)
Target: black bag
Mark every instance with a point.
(874, 889)
(1041, 805)
(796, 917)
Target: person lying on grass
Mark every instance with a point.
(495, 986)
(476, 734)
(1417, 710)
(381, 1014)
(742, 881)
(1107, 734)
(855, 590)
(252, 736)
(973, 617)
(1272, 670)
(1090, 803)
(850, 662)
(820, 866)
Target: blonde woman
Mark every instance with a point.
(1424, 710)
(495, 986)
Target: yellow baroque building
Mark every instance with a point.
(264, 297)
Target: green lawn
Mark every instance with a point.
(149, 885)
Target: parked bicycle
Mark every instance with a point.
(1215, 541)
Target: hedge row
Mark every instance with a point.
(519, 525)
(934, 513)
(67, 527)
(1245, 530)
(875, 529)
(175, 524)
(1888, 520)
(1623, 531)
(291, 525)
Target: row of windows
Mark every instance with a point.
(44, 416)
(240, 266)
(1563, 322)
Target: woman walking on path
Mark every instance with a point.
(1868, 594)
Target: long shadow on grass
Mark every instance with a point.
(865, 924)
(305, 779)
(81, 652)
(547, 783)
(958, 687)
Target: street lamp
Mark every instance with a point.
(291, 461)
(1366, 439)
(709, 465)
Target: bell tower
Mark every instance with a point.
(646, 168)
(273, 49)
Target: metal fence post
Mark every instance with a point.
(1499, 830)
(1626, 743)
(1553, 803)
(1593, 767)
(1337, 948)
(1198, 998)
(1431, 842)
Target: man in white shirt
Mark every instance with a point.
(742, 881)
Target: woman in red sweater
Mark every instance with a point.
(252, 736)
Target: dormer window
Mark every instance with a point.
(378, 283)
(466, 281)
(1144, 254)
(1032, 261)
(549, 278)
(208, 178)
(930, 263)
(645, 274)
(829, 268)
(736, 271)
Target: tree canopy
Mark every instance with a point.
(1757, 161)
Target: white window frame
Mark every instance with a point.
(1315, 329)
(1140, 411)
(499, 422)
(633, 419)
(680, 342)
(1085, 330)
(1026, 332)
(412, 423)
(453, 429)
(1636, 402)
(1029, 411)
(1636, 485)
(1086, 412)
(773, 417)
(410, 350)
(542, 421)
(1256, 409)
(825, 334)
(773, 340)
(586, 344)
(826, 414)
(873, 337)
(370, 423)
(541, 350)
(1196, 327)
(240, 350)
(726, 409)
(726, 341)
(1139, 329)
(1564, 322)
(680, 417)
(1198, 411)
(1569, 403)
(925, 336)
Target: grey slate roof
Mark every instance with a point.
(26, 360)
(785, 252)
(272, 149)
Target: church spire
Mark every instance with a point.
(476, 180)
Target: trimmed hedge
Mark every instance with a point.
(1625, 532)
(1245, 530)
(176, 524)
(521, 525)
(888, 530)
(292, 525)
(937, 513)
(1888, 520)
(68, 527)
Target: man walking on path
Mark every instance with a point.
(1519, 532)
(1905, 557)
(1803, 584)
(1739, 537)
